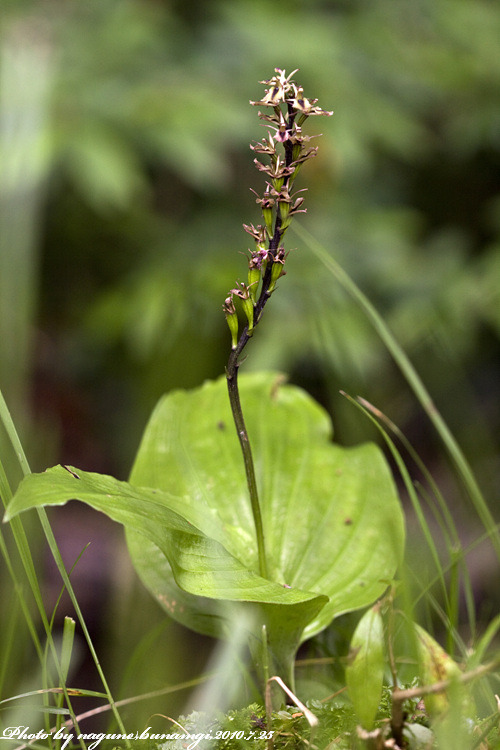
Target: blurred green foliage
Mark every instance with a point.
(145, 183)
(125, 176)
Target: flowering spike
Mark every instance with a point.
(285, 148)
(283, 151)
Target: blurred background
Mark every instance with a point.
(125, 172)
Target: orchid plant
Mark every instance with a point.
(300, 531)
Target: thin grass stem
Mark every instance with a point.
(453, 449)
(410, 490)
(27, 561)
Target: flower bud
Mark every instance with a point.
(267, 203)
(284, 202)
(267, 213)
(232, 319)
(284, 207)
(278, 268)
(254, 266)
(243, 292)
(247, 305)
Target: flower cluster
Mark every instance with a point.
(286, 148)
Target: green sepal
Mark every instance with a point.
(253, 282)
(276, 272)
(247, 305)
(267, 213)
(232, 321)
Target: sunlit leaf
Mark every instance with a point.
(199, 564)
(332, 520)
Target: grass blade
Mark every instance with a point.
(454, 451)
(27, 561)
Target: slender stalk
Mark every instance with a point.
(234, 399)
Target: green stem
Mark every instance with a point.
(239, 421)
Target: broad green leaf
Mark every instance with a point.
(333, 525)
(365, 670)
(200, 564)
(332, 519)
